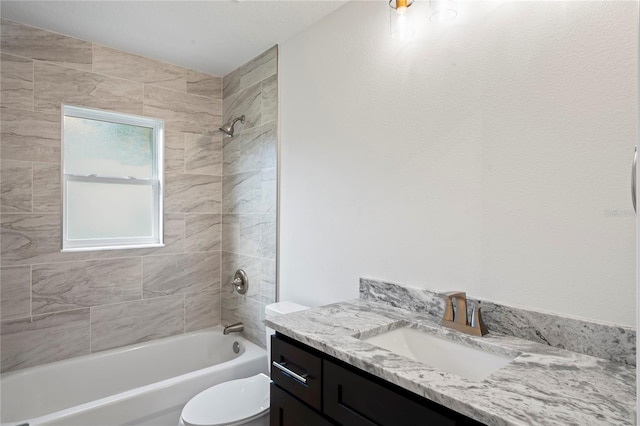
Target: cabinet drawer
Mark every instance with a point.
(297, 371)
(288, 411)
(354, 400)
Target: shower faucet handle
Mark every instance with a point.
(240, 281)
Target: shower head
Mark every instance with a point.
(227, 128)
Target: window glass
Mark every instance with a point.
(107, 149)
(111, 180)
(109, 210)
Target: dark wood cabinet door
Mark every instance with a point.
(288, 411)
(305, 380)
(354, 400)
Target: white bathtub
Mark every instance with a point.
(145, 384)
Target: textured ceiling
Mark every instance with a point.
(214, 36)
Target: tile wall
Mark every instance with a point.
(59, 305)
(249, 192)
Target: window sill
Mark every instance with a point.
(123, 247)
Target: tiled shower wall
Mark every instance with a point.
(249, 192)
(59, 305)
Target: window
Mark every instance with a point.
(111, 180)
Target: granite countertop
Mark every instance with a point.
(543, 385)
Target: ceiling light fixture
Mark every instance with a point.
(401, 25)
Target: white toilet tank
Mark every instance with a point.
(273, 310)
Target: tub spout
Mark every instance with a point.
(233, 328)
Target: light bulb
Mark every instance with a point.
(401, 25)
(401, 6)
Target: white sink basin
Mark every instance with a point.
(465, 361)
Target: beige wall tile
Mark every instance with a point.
(251, 234)
(261, 67)
(203, 232)
(116, 63)
(249, 192)
(251, 150)
(32, 341)
(47, 192)
(33, 238)
(270, 99)
(269, 158)
(242, 152)
(247, 102)
(268, 191)
(72, 285)
(241, 193)
(127, 323)
(193, 193)
(268, 281)
(15, 292)
(201, 310)
(174, 152)
(180, 273)
(231, 232)
(15, 186)
(203, 154)
(182, 111)
(54, 85)
(199, 83)
(267, 247)
(30, 136)
(231, 153)
(16, 81)
(34, 43)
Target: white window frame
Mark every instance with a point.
(156, 182)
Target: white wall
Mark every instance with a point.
(492, 155)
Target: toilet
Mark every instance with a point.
(237, 402)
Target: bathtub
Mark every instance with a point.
(144, 384)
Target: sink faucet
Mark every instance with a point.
(233, 328)
(457, 319)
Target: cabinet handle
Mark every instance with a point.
(298, 377)
(633, 179)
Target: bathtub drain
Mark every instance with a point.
(236, 347)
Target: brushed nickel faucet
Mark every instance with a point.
(233, 328)
(457, 319)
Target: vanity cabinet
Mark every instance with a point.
(289, 411)
(311, 388)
